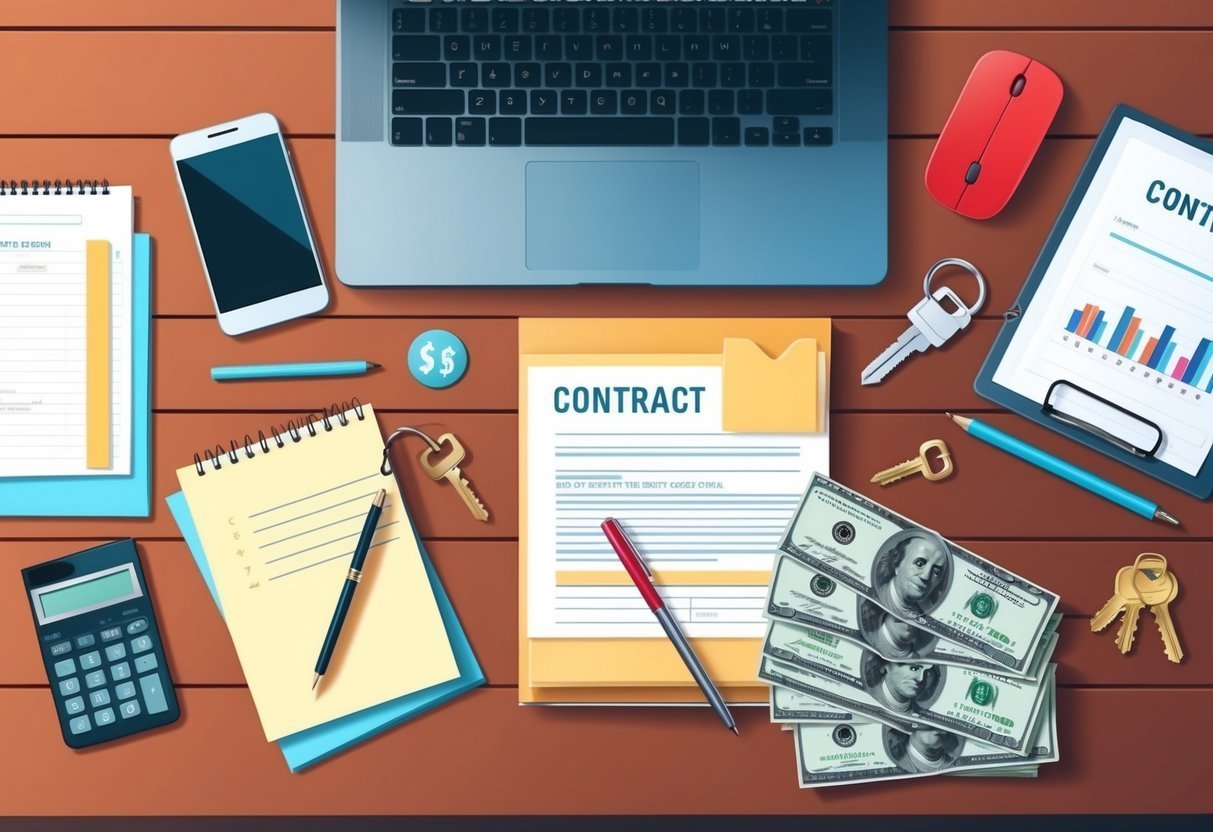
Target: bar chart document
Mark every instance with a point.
(1125, 310)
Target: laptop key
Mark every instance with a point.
(548, 48)
(756, 48)
(648, 75)
(543, 102)
(596, 19)
(703, 75)
(573, 102)
(456, 47)
(534, 20)
(667, 47)
(693, 132)
(676, 75)
(588, 75)
(757, 137)
(762, 74)
(711, 19)
(512, 103)
(654, 20)
(639, 48)
(406, 132)
(726, 48)
(786, 139)
(600, 132)
(558, 75)
(427, 102)
(618, 75)
(769, 20)
(578, 47)
(634, 103)
(803, 75)
(697, 48)
(818, 136)
(438, 132)
(784, 48)
(661, 102)
(416, 48)
(610, 47)
(505, 20)
(684, 20)
(496, 75)
(749, 102)
(808, 20)
(517, 48)
(526, 75)
(482, 102)
(604, 102)
(408, 20)
(443, 20)
(720, 102)
(419, 75)
(786, 124)
(465, 75)
(469, 132)
(505, 132)
(475, 20)
(818, 50)
(566, 20)
(487, 47)
(690, 103)
(732, 74)
(627, 20)
(800, 102)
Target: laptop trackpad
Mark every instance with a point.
(625, 216)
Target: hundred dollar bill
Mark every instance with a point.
(917, 575)
(994, 709)
(788, 705)
(864, 752)
(804, 596)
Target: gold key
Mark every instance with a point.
(1115, 606)
(1157, 588)
(448, 466)
(919, 465)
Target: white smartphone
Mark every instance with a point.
(244, 205)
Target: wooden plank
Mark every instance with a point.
(491, 442)
(218, 74)
(1004, 247)
(485, 754)
(991, 495)
(957, 14)
(480, 577)
(196, 640)
(197, 344)
(290, 13)
(74, 14)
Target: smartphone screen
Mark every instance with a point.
(249, 223)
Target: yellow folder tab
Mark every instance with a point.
(98, 399)
(770, 395)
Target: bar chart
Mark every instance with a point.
(1153, 347)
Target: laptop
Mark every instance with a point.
(554, 143)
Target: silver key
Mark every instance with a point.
(930, 324)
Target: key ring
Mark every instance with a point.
(967, 266)
(385, 468)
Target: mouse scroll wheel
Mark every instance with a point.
(1017, 85)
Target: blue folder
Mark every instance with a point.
(108, 495)
(315, 744)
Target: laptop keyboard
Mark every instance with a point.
(588, 75)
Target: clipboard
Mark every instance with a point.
(1138, 439)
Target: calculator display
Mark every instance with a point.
(91, 592)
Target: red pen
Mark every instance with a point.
(641, 576)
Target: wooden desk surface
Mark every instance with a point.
(97, 89)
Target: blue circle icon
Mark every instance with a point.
(438, 358)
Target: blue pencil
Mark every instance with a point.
(1066, 470)
(242, 372)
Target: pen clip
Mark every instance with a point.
(640, 560)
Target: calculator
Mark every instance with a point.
(100, 644)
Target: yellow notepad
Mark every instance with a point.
(279, 531)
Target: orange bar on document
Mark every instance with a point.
(98, 385)
(1130, 334)
(1084, 323)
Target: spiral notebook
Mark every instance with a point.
(278, 518)
(66, 329)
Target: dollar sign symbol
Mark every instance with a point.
(427, 357)
(448, 366)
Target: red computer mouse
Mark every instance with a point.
(998, 123)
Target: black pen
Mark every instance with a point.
(352, 578)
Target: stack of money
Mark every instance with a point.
(894, 653)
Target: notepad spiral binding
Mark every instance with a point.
(292, 430)
(26, 187)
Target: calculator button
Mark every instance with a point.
(136, 626)
(125, 690)
(79, 725)
(130, 709)
(118, 672)
(95, 679)
(99, 697)
(145, 663)
(141, 644)
(65, 668)
(111, 634)
(115, 652)
(153, 693)
(104, 717)
(74, 705)
(69, 686)
(86, 641)
(90, 660)
(61, 648)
